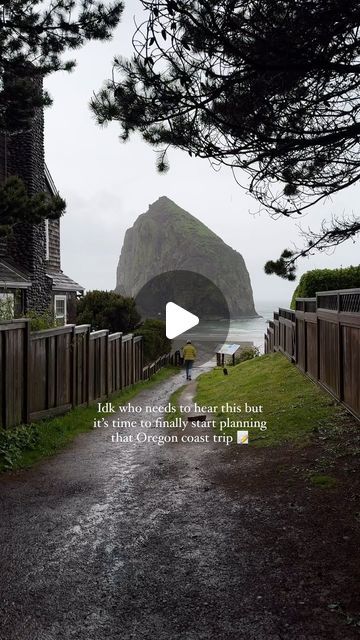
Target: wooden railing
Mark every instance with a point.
(322, 337)
(45, 373)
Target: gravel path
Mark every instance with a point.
(191, 542)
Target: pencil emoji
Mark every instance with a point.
(242, 437)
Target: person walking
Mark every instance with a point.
(189, 355)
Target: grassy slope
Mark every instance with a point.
(185, 221)
(293, 406)
(54, 434)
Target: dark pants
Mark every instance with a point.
(188, 367)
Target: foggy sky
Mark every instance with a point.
(107, 184)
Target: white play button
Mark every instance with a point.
(178, 320)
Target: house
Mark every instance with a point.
(31, 278)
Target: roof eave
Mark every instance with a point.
(68, 288)
(15, 285)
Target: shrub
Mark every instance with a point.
(41, 321)
(326, 280)
(107, 310)
(14, 441)
(6, 307)
(247, 354)
(155, 341)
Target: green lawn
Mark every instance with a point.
(293, 406)
(25, 445)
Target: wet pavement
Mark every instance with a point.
(180, 541)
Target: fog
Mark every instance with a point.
(107, 184)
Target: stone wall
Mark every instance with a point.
(3, 242)
(26, 248)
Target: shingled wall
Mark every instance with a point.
(26, 247)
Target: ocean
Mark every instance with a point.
(249, 330)
(253, 329)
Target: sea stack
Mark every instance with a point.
(168, 238)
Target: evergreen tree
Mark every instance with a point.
(34, 37)
(17, 206)
(108, 310)
(269, 88)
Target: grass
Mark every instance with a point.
(174, 400)
(293, 406)
(24, 446)
(322, 481)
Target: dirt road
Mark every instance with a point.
(191, 542)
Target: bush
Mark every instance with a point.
(14, 441)
(107, 310)
(6, 308)
(247, 354)
(155, 341)
(326, 280)
(41, 321)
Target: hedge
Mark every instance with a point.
(326, 280)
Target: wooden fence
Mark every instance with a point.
(45, 373)
(322, 337)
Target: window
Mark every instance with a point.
(47, 240)
(7, 301)
(60, 309)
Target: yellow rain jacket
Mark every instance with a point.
(189, 352)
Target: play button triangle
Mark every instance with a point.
(178, 320)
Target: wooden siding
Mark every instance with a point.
(54, 245)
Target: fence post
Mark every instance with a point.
(107, 361)
(133, 360)
(73, 366)
(340, 350)
(27, 372)
(88, 372)
(305, 344)
(318, 347)
(341, 362)
(120, 357)
(141, 356)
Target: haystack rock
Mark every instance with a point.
(167, 238)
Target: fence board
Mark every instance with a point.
(9, 355)
(115, 349)
(63, 369)
(127, 364)
(45, 373)
(323, 337)
(2, 379)
(311, 349)
(39, 372)
(351, 366)
(13, 372)
(50, 373)
(301, 355)
(328, 355)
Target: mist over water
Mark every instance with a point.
(247, 329)
(253, 329)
